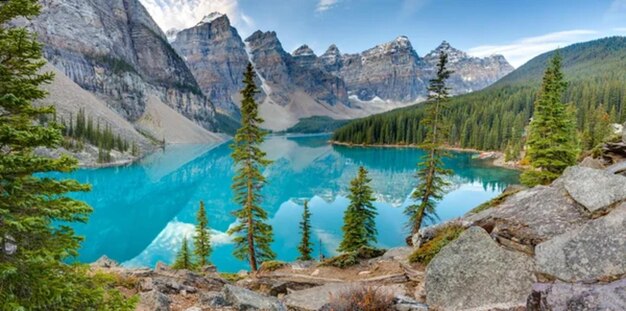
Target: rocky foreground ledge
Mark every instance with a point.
(556, 247)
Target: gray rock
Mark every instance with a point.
(105, 262)
(153, 301)
(403, 303)
(475, 272)
(596, 250)
(212, 300)
(565, 296)
(624, 133)
(590, 162)
(594, 189)
(243, 299)
(532, 216)
(398, 253)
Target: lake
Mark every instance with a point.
(143, 211)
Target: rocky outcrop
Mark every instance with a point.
(596, 251)
(216, 55)
(561, 296)
(594, 189)
(243, 299)
(474, 271)
(115, 50)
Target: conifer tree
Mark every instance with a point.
(359, 220)
(253, 235)
(183, 258)
(431, 172)
(202, 240)
(305, 247)
(35, 238)
(552, 143)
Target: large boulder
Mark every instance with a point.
(595, 251)
(595, 189)
(244, 299)
(475, 272)
(565, 296)
(532, 216)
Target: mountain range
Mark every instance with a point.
(184, 86)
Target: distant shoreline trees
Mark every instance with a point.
(252, 235)
(431, 172)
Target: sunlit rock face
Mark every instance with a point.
(217, 57)
(115, 50)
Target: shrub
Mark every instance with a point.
(232, 277)
(352, 258)
(444, 235)
(272, 265)
(361, 299)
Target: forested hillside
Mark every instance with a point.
(495, 118)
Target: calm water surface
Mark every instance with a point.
(143, 211)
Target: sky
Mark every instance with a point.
(519, 29)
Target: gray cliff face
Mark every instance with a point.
(469, 73)
(286, 74)
(393, 70)
(216, 55)
(115, 50)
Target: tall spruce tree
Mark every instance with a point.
(253, 235)
(552, 140)
(202, 240)
(35, 239)
(183, 258)
(359, 220)
(431, 172)
(305, 247)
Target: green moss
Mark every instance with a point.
(493, 202)
(272, 265)
(443, 236)
(232, 277)
(352, 258)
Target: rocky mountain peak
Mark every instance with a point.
(332, 50)
(303, 50)
(265, 40)
(212, 17)
(400, 45)
(454, 55)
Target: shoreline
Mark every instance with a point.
(496, 158)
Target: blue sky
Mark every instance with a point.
(519, 30)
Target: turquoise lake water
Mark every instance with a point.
(143, 211)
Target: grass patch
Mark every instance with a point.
(493, 202)
(443, 237)
(352, 258)
(361, 298)
(232, 277)
(272, 265)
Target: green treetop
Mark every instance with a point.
(359, 220)
(202, 240)
(305, 247)
(431, 172)
(552, 140)
(35, 238)
(183, 258)
(253, 235)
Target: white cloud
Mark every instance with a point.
(520, 51)
(325, 5)
(616, 11)
(182, 14)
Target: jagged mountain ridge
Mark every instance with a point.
(342, 86)
(115, 50)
